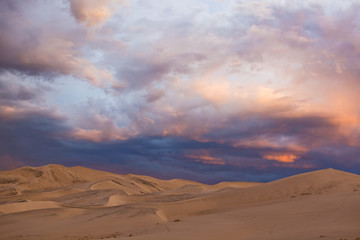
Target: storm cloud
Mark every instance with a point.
(207, 90)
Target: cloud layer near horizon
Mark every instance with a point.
(209, 90)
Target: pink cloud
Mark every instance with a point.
(93, 12)
(281, 157)
(205, 158)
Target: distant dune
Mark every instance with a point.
(56, 202)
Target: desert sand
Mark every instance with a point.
(56, 202)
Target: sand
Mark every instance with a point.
(55, 202)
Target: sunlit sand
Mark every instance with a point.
(55, 202)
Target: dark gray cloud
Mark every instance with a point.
(11, 91)
(256, 91)
(39, 138)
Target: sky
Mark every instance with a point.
(208, 90)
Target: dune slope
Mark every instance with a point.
(56, 202)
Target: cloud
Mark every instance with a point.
(204, 157)
(258, 9)
(35, 47)
(206, 90)
(285, 158)
(41, 137)
(17, 98)
(103, 130)
(93, 12)
(10, 91)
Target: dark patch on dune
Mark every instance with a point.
(8, 180)
(89, 198)
(8, 192)
(34, 172)
(146, 183)
(117, 182)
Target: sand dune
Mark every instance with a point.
(116, 200)
(27, 206)
(55, 202)
(323, 182)
(235, 184)
(56, 176)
